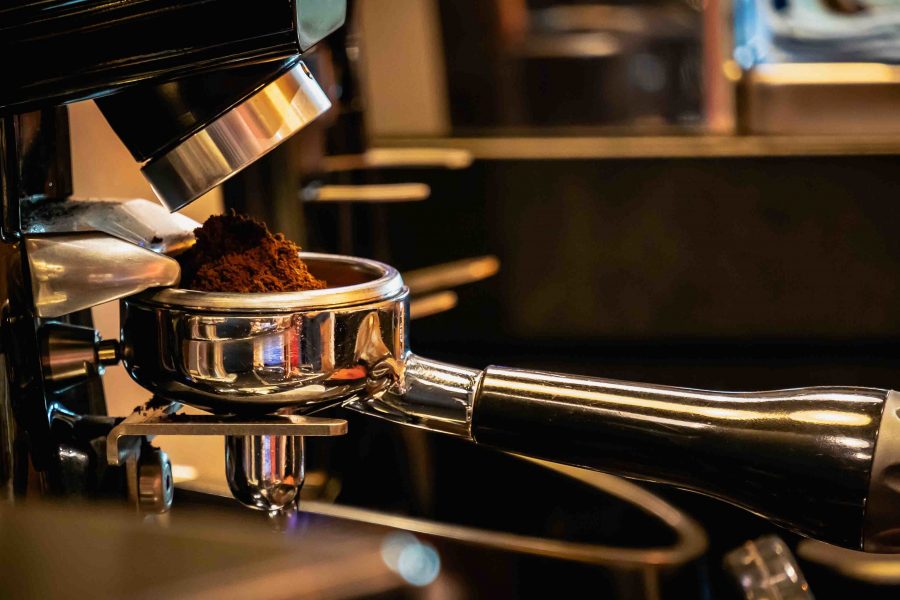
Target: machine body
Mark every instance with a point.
(196, 90)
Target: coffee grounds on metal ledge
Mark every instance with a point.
(235, 253)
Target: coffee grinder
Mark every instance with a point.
(196, 90)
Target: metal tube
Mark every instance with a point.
(264, 471)
(431, 395)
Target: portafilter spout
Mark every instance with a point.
(822, 461)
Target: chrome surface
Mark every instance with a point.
(877, 569)
(432, 395)
(262, 352)
(72, 272)
(107, 352)
(163, 419)
(237, 138)
(155, 486)
(264, 471)
(765, 569)
(70, 353)
(801, 457)
(882, 533)
(141, 222)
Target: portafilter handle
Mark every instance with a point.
(821, 461)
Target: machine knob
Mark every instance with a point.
(155, 486)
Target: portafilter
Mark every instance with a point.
(822, 461)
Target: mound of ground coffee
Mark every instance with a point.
(235, 253)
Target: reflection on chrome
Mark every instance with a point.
(850, 442)
(830, 417)
(236, 138)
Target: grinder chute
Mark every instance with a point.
(197, 90)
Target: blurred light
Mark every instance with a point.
(432, 304)
(647, 72)
(572, 17)
(743, 55)
(830, 417)
(828, 73)
(182, 473)
(416, 562)
(419, 564)
(393, 545)
(732, 70)
(572, 45)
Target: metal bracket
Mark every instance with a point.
(154, 419)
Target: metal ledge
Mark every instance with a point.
(162, 420)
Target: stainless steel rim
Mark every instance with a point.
(237, 138)
(383, 282)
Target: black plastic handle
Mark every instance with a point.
(801, 457)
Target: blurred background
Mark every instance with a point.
(697, 192)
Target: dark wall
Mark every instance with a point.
(802, 250)
(730, 249)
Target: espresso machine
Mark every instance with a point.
(195, 106)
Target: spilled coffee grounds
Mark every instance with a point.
(235, 253)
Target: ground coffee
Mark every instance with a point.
(235, 253)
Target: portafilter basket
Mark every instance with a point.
(822, 461)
